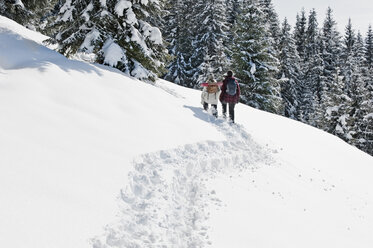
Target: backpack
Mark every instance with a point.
(212, 88)
(231, 86)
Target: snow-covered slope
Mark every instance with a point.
(92, 158)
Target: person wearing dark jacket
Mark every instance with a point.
(230, 94)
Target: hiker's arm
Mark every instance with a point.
(223, 89)
(238, 92)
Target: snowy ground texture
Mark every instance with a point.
(92, 158)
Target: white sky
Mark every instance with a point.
(360, 11)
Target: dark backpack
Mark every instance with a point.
(231, 86)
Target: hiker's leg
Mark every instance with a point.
(205, 106)
(224, 105)
(231, 111)
(214, 108)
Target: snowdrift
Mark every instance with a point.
(90, 157)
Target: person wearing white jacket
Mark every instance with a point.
(210, 95)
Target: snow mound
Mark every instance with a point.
(18, 52)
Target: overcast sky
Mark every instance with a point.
(360, 11)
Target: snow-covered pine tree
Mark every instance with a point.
(153, 13)
(232, 11)
(272, 20)
(300, 34)
(254, 64)
(337, 104)
(369, 48)
(349, 39)
(347, 56)
(15, 10)
(116, 32)
(331, 86)
(332, 45)
(367, 131)
(312, 42)
(29, 13)
(358, 92)
(232, 14)
(312, 69)
(179, 36)
(356, 78)
(209, 25)
(351, 81)
(289, 71)
(366, 124)
(366, 107)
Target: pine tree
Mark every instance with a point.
(179, 35)
(29, 13)
(255, 66)
(337, 106)
(312, 36)
(332, 44)
(366, 124)
(348, 56)
(233, 11)
(300, 35)
(351, 81)
(366, 107)
(289, 71)
(272, 21)
(232, 14)
(312, 73)
(349, 38)
(16, 11)
(115, 31)
(367, 131)
(355, 85)
(331, 86)
(369, 47)
(209, 56)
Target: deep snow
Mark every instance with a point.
(90, 157)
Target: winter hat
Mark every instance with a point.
(211, 80)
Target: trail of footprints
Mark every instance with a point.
(165, 202)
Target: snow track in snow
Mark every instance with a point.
(165, 203)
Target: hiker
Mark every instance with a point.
(210, 95)
(230, 94)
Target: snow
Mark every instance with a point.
(104, 13)
(19, 2)
(11, 26)
(113, 53)
(67, 10)
(87, 45)
(121, 6)
(339, 129)
(330, 110)
(253, 68)
(139, 71)
(103, 3)
(85, 13)
(343, 120)
(368, 116)
(137, 37)
(131, 17)
(92, 158)
(26, 46)
(153, 33)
